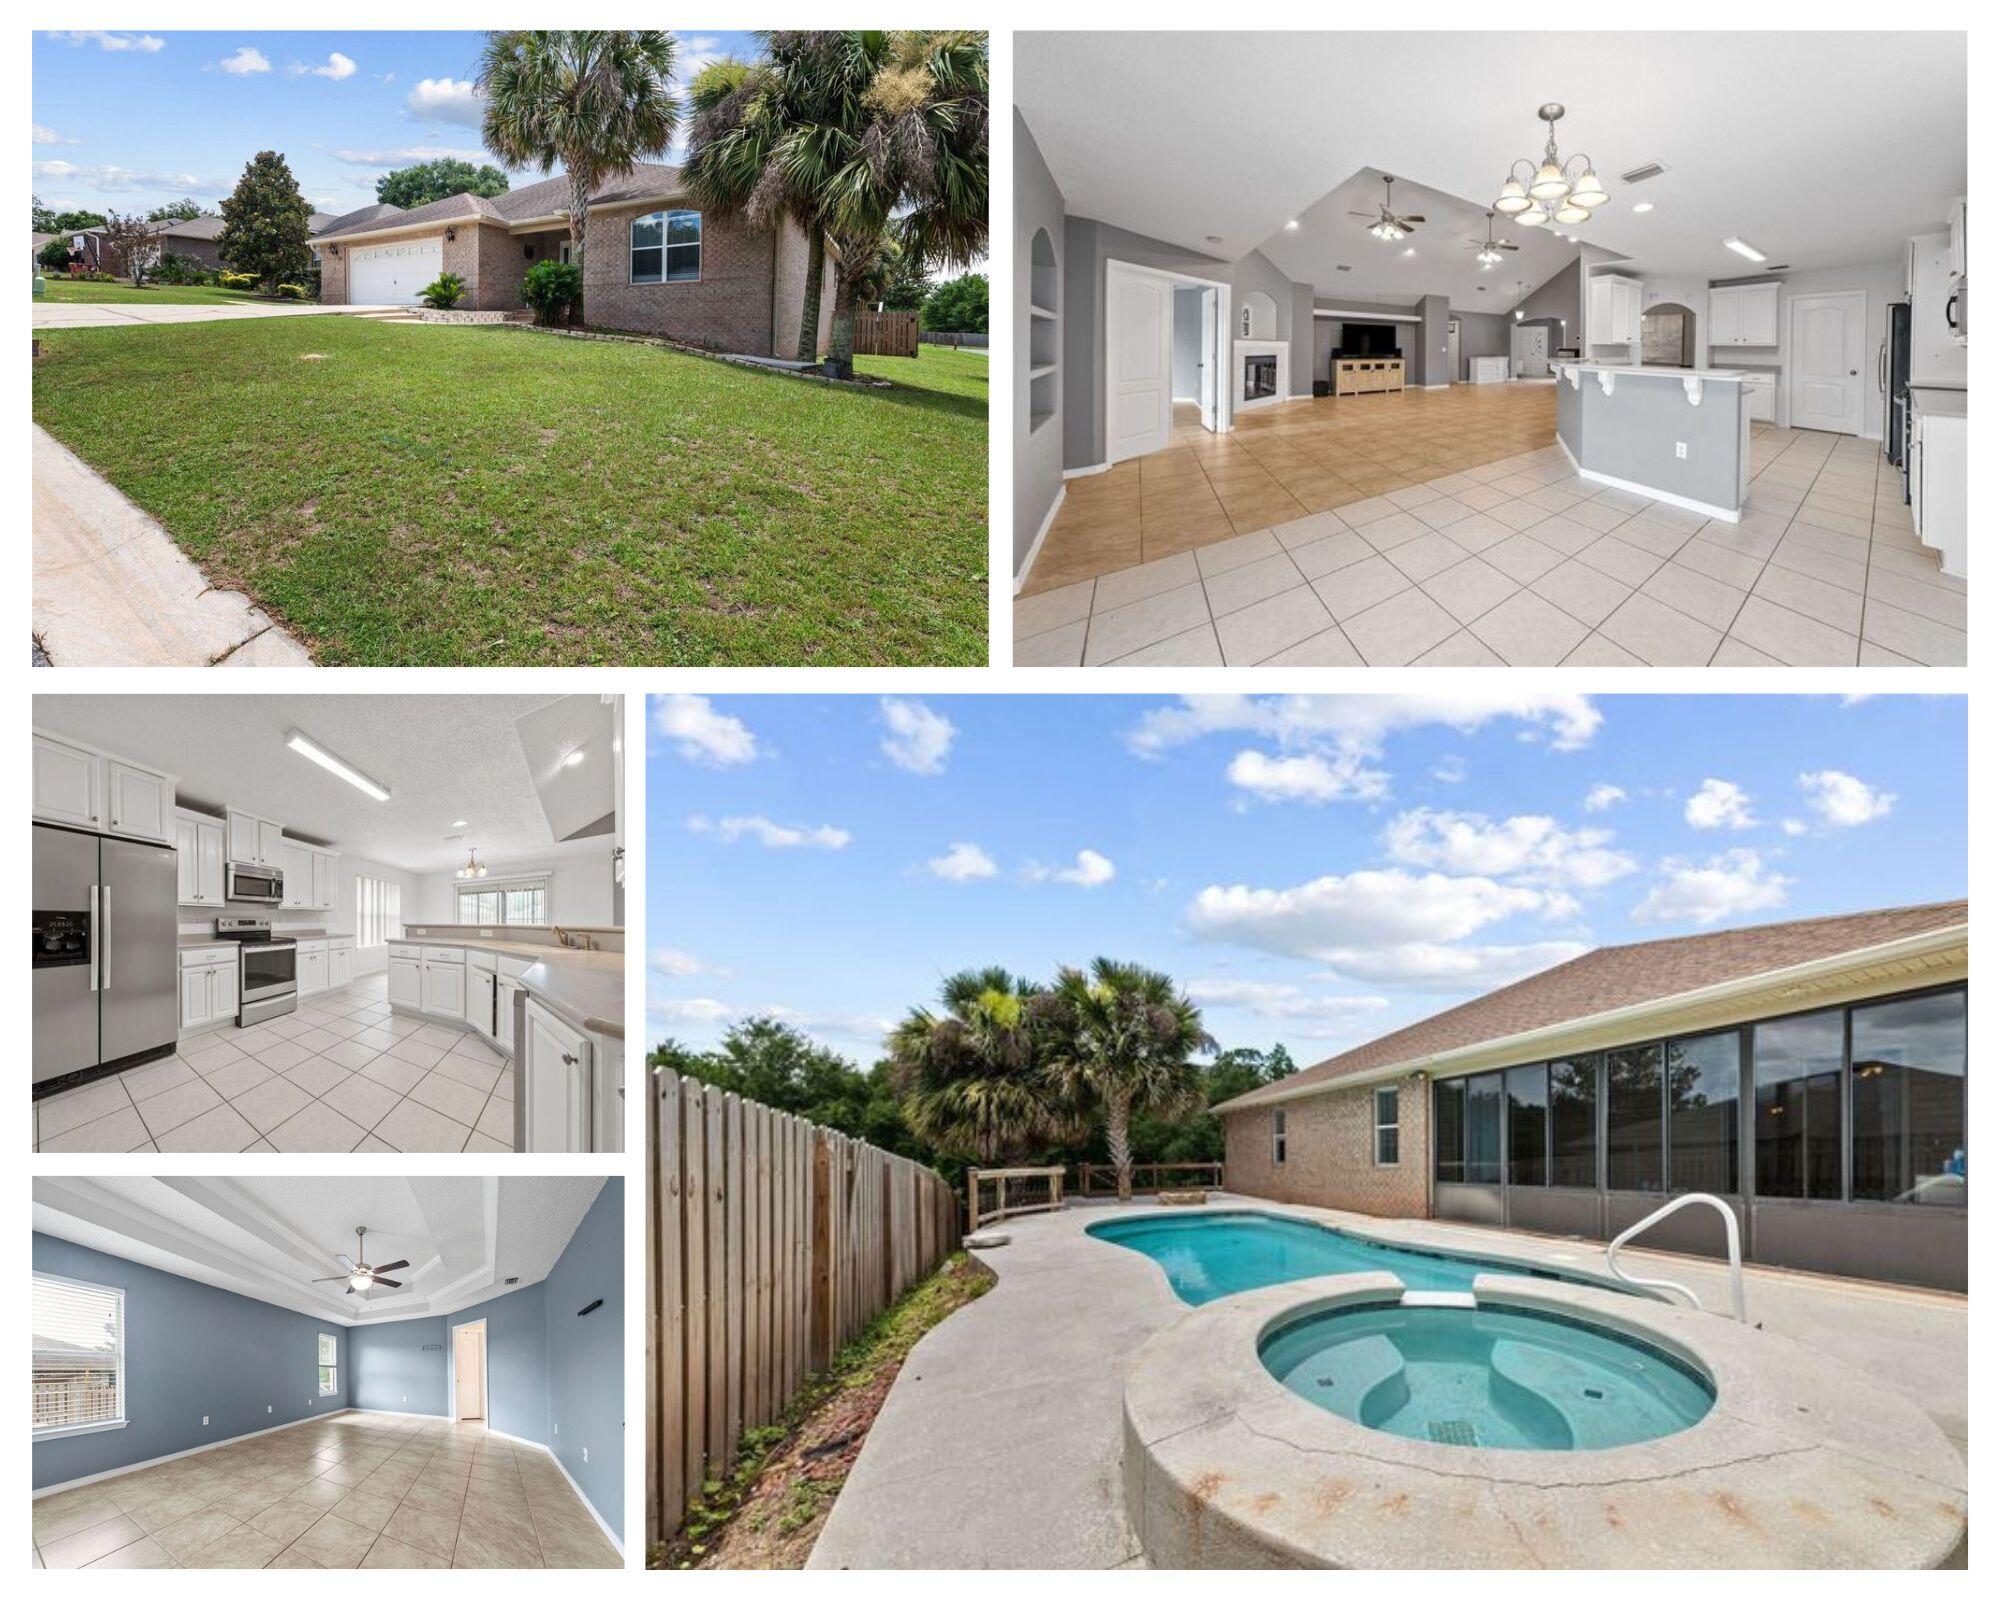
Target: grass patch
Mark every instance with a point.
(67, 292)
(767, 1513)
(486, 496)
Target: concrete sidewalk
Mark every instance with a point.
(1001, 1442)
(112, 589)
(53, 315)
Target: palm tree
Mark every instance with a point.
(970, 1078)
(596, 100)
(1122, 1035)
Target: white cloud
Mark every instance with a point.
(964, 862)
(1360, 721)
(49, 136)
(1450, 770)
(772, 835)
(1092, 870)
(337, 67)
(1313, 779)
(1536, 849)
(1287, 1002)
(1843, 800)
(1705, 892)
(247, 60)
(117, 180)
(1603, 796)
(701, 733)
(1718, 803)
(849, 1025)
(670, 962)
(695, 1010)
(1384, 925)
(448, 100)
(409, 154)
(919, 739)
(144, 43)
(695, 54)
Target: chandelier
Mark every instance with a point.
(473, 867)
(1549, 192)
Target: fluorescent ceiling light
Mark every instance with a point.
(1743, 249)
(334, 765)
(1643, 205)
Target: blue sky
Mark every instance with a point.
(1316, 870)
(126, 120)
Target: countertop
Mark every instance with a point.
(584, 987)
(1937, 402)
(209, 941)
(1627, 370)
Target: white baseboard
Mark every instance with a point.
(1719, 513)
(176, 1455)
(617, 1543)
(391, 1411)
(1087, 472)
(1433, 386)
(1041, 533)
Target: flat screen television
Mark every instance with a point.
(1368, 339)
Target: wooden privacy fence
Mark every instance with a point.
(771, 1242)
(992, 1193)
(1149, 1177)
(885, 333)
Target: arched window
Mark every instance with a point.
(666, 247)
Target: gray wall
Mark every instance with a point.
(1481, 333)
(1304, 340)
(1882, 281)
(1187, 344)
(1038, 456)
(190, 1351)
(1560, 299)
(1433, 354)
(1631, 433)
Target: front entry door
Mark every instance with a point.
(1139, 340)
(1826, 361)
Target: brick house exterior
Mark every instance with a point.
(747, 298)
(1330, 1153)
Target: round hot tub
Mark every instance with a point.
(1495, 1377)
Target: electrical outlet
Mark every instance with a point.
(204, 1422)
(558, 1427)
(586, 1455)
(1680, 450)
(267, 1411)
(406, 1399)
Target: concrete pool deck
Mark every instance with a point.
(1001, 1443)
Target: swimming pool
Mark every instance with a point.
(1205, 1258)
(1491, 1377)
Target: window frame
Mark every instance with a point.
(328, 1391)
(666, 247)
(380, 917)
(1393, 1127)
(108, 1424)
(544, 882)
(1277, 1136)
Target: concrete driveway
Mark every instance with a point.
(48, 315)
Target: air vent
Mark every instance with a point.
(1639, 174)
(1342, 267)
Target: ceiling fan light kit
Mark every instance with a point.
(1534, 193)
(1388, 226)
(361, 1277)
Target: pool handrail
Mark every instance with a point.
(1667, 1210)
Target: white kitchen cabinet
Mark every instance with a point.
(312, 967)
(255, 841)
(198, 847)
(140, 804)
(1614, 309)
(322, 880)
(1760, 397)
(208, 988)
(406, 977)
(270, 843)
(607, 1096)
(444, 987)
(66, 781)
(197, 998)
(555, 1082)
(1955, 239)
(505, 988)
(1743, 314)
(481, 987)
(295, 862)
(1938, 468)
(340, 964)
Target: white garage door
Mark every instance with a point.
(393, 274)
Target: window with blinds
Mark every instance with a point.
(329, 1364)
(498, 904)
(378, 912)
(79, 1343)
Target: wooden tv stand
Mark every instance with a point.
(1367, 374)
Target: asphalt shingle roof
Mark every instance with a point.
(1618, 976)
(541, 199)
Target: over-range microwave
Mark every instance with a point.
(262, 886)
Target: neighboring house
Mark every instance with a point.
(1810, 1074)
(35, 251)
(83, 245)
(655, 263)
(199, 238)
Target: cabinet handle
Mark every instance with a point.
(568, 1059)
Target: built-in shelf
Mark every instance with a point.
(1044, 335)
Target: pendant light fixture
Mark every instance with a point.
(473, 867)
(1536, 194)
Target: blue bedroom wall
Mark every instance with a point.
(190, 1350)
(517, 1369)
(587, 1355)
(393, 1371)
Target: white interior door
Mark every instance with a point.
(1451, 352)
(1139, 373)
(469, 1374)
(1824, 369)
(1211, 359)
(394, 274)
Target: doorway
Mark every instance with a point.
(1823, 363)
(1531, 351)
(1196, 373)
(1139, 369)
(1666, 336)
(468, 1373)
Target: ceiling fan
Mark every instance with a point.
(1388, 225)
(359, 1275)
(1489, 248)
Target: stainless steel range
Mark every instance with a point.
(267, 969)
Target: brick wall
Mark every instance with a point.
(728, 309)
(332, 276)
(1330, 1153)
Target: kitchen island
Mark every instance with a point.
(1675, 434)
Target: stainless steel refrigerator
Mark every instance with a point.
(106, 954)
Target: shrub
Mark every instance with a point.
(553, 290)
(237, 280)
(176, 268)
(291, 291)
(54, 256)
(446, 292)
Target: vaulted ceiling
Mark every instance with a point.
(269, 1237)
(1821, 149)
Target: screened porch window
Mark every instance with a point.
(1909, 1100)
(1797, 1064)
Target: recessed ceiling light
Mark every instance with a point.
(1411, 251)
(460, 823)
(333, 764)
(1743, 249)
(574, 758)
(1292, 226)
(1643, 205)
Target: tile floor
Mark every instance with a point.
(1518, 562)
(359, 1489)
(343, 1072)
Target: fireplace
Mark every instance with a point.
(1260, 377)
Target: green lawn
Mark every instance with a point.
(62, 291)
(402, 495)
